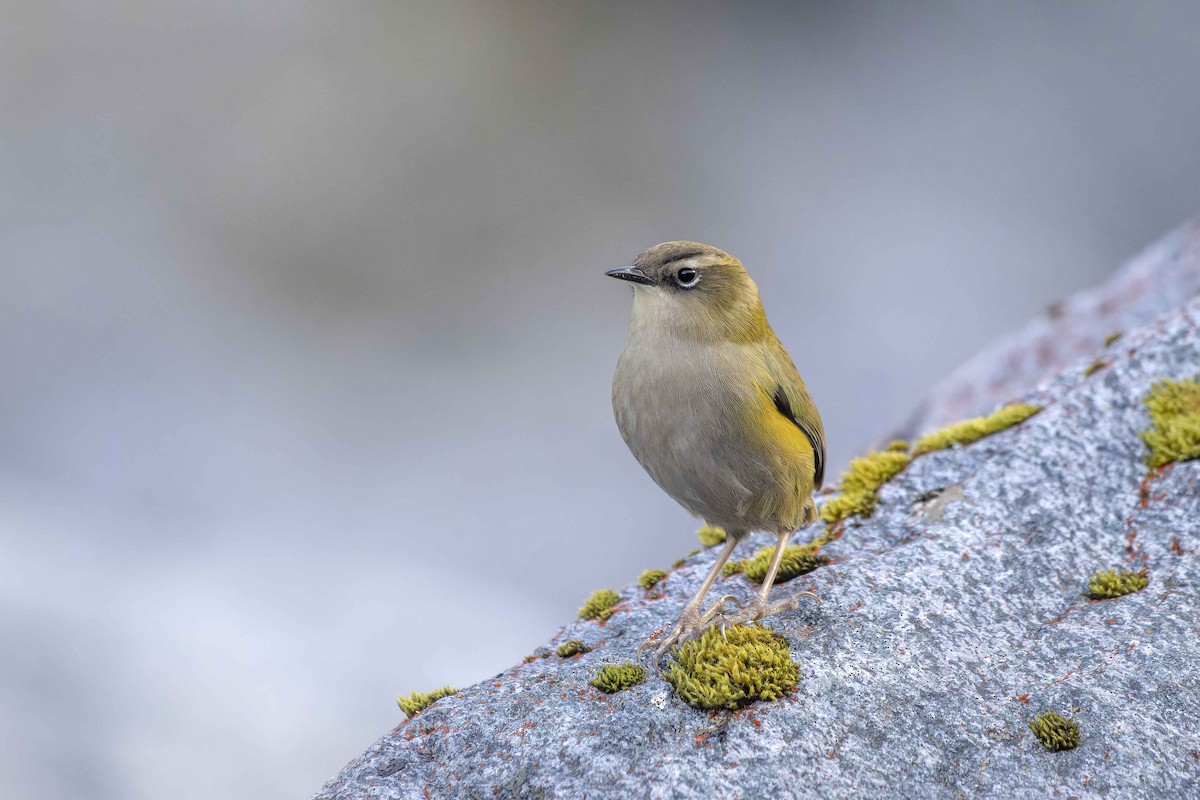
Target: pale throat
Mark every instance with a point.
(666, 316)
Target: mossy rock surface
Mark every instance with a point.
(1174, 433)
(798, 559)
(1055, 731)
(573, 647)
(861, 482)
(732, 668)
(972, 430)
(415, 703)
(650, 578)
(618, 677)
(600, 605)
(1102, 321)
(1107, 584)
(947, 626)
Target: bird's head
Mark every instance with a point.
(695, 289)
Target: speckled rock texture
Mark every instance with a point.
(950, 619)
(1162, 278)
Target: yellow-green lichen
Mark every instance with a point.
(1094, 367)
(732, 668)
(415, 703)
(731, 568)
(797, 560)
(618, 678)
(1054, 731)
(599, 605)
(572, 648)
(1112, 337)
(860, 483)
(832, 532)
(1109, 583)
(711, 535)
(650, 578)
(1174, 408)
(972, 430)
(897, 446)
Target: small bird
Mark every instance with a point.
(714, 410)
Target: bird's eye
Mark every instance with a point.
(687, 277)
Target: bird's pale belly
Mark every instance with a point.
(696, 446)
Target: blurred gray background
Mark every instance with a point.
(306, 346)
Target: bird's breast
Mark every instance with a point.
(682, 411)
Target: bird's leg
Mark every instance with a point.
(691, 621)
(760, 608)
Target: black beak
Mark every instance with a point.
(630, 274)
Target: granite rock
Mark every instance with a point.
(1158, 280)
(951, 618)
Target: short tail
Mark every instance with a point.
(810, 512)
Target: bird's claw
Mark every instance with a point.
(758, 609)
(717, 608)
(690, 625)
(684, 629)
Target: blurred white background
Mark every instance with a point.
(306, 345)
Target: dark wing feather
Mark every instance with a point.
(794, 402)
(784, 404)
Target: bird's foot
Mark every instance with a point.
(691, 624)
(760, 609)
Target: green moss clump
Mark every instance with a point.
(711, 535)
(1112, 337)
(797, 560)
(650, 578)
(618, 678)
(1054, 731)
(733, 668)
(1174, 408)
(599, 605)
(972, 430)
(572, 648)
(1094, 367)
(862, 480)
(1109, 583)
(860, 483)
(415, 703)
(732, 568)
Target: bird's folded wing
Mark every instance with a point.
(794, 402)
